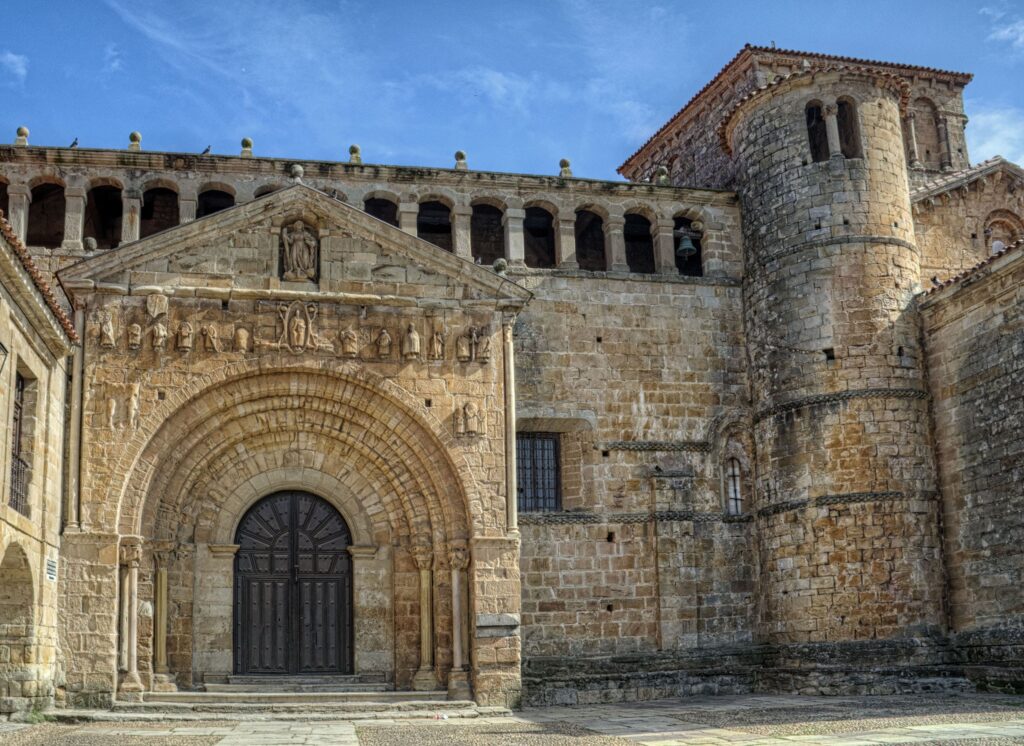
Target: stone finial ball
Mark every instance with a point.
(564, 163)
(500, 265)
(353, 149)
(297, 171)
(460, 155)
(662, 171)
(90, 243)
(22, 131)
(135, 137)
(246, 142)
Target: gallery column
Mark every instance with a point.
(131, 555)
(425, 678)
(458, 679)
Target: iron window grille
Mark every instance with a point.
(538, 472)
(19, 467)
(734, 478)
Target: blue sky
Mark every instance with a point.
(517, 85)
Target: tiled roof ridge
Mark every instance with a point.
(949, 181)
(37, 278)
(963, 275)
(749, 48)
(895, 81)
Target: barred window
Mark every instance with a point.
(538, 472)
(734, 491)
(19, 466)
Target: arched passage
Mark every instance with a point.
(103, 215)
(159, 210)
(213, 200)
(46, 216)
(590, 241)
(17, 622)
(434, 224)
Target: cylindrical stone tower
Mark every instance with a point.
(846, 517)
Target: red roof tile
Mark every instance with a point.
(1014, 247)
(37, 278)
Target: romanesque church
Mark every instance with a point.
(751, 419)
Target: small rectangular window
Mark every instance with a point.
(538, 472)
(734, 481)
(19, 463)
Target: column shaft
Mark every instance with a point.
(131, 206)
(462, 231)
(511, 488)
(515, 249)
(616, 243)
(160, 620)
(407, 213)
(425, 678)
(832, 132)
(915, 161)
(665, 247)
(565, 244)
(18, 198)
(74, 217)
(186, 210)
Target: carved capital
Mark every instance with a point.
(130, 552)
(423, 556)
(458, 555)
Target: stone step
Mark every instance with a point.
(163, 712)
(296, 687)
(231, 694)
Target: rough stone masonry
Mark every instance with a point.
(750, 420)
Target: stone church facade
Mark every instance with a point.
(750, 420)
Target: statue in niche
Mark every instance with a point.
(210, 338)
(111, 412)
(483, 348)
(411, 343)
(241, 339)
(107, 331)
(297, 329)
(135, 405)
(185, 333)
(349, 343)
(437, 345)
(159, 337)
(134, 336)
(383, 344)
(471, 414)
(463, 348)
(299, 248)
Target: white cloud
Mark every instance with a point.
(15, 65)
(1004, 27)
(112, 62)
(996, 131)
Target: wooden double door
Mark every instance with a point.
(293, 588)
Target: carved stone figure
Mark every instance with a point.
(134, 405)
(299, 249)
(463, 348)
(185, 333)
(472, 416)
(159, 337)
(107, 331)
(483, 349)
(111, 412)
(241, 339)
(156, 305)
(134, 336)
(210, 338)
(349, 343)
(437, 345)
(411, 343)
(383, 344)
(474, 340)
(297, 331)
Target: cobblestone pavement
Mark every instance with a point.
(973, 720)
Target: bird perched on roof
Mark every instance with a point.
(206, 152)
(935, 281)
(74, 143)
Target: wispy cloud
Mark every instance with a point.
(996, 131)
(112, 62)
(14, 66)
(1005, 27)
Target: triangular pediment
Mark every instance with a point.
(297, 239)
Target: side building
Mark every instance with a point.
(36, 339)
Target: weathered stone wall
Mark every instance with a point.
(30, 661)
(846, 517)
(975, 348)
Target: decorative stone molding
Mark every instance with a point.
(223, 551)
(839, 396)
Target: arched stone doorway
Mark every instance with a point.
(293, 588)
(16, 623)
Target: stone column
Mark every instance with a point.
(18, 198)
(131, 206)
(915, 160)
(508, 361)
(565, 244)
(832, 131)
(665, 246)
(515, 249)
(72, 500)
(74, 217)
(425, 678)
(458, 679)
(947, 157)
(186, 209)
(616, 244)
(407, 213)
(461, 231)
(131, 555)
